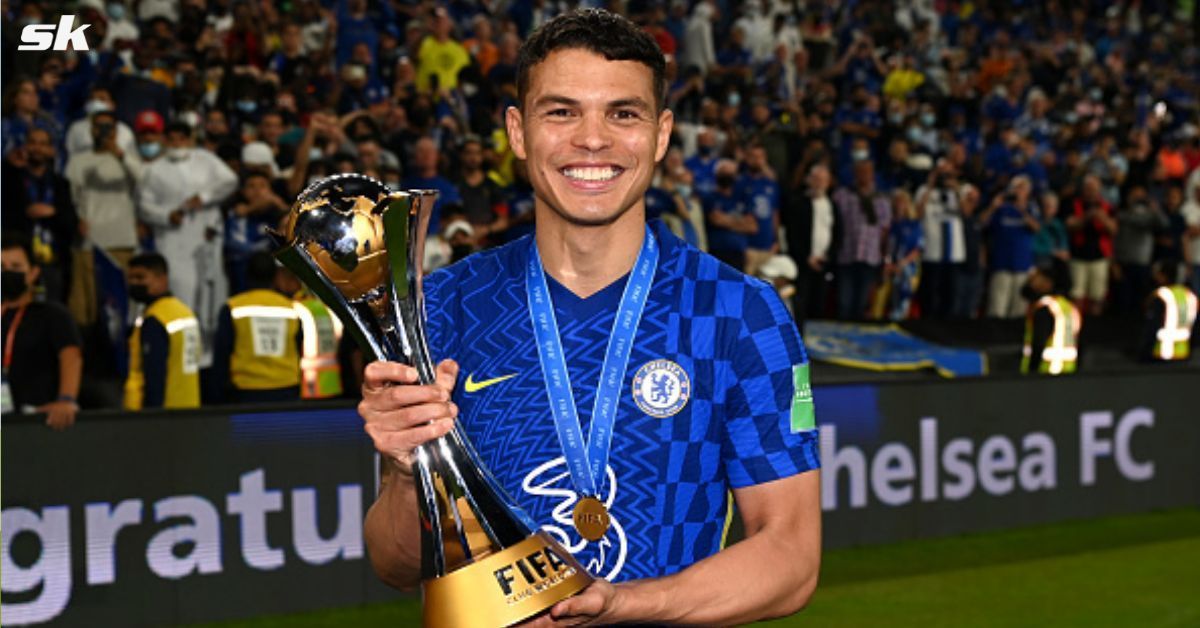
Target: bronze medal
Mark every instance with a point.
(591, 518)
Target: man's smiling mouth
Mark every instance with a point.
(592, 174)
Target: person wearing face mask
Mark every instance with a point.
(43, 362)
(1052, 324)
(149, 127)
(103, 181)
(180, 198)
(164, 344)
(79, 134)
(730, 222)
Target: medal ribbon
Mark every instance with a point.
(11, 336)
(587, 461)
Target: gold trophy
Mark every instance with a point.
(359, 247)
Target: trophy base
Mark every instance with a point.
(504, 588)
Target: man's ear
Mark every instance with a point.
(666, 122)
(514, 124)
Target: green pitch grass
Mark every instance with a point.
(1137, 570)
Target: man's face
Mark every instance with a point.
(177, 139)
(270, 128)
(425, 155)
(140, 276)
(16, 261)
(590, 133)
(472, 156)
(38, 146)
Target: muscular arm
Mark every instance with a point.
(391, 532)
(399, 416)
(781, 556)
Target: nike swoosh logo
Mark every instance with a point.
(473, 386)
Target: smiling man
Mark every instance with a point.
(705, 399)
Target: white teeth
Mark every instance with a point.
(592, 173)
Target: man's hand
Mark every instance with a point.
(594, 606)
(193, 203)
(399, 414)
(37, 211)
(59, 414)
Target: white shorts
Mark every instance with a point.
(1089, 279)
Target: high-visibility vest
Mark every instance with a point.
(1172, 341)
(1061, 352)
(264, 356)
(320, 375)
(182, 387)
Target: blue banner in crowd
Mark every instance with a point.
(887, 348)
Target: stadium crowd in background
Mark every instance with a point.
(889, 159)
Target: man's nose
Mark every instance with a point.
(593, 133)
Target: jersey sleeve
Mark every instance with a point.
(769, 424)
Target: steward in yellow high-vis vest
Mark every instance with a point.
(1170, 317)
(320, 374)
(164, 344)
(1052, 325)
(256, 351)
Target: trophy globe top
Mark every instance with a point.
(339, 222)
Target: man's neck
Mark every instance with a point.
(428, 174)
(473, 177)
(36, 169)
(585, 259)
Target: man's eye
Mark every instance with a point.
(626, 114)
(558, 113)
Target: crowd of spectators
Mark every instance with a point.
(876, 160)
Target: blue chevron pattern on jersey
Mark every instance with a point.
(668, 478)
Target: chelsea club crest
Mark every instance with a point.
(661, 388)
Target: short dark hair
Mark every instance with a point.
(152, 262)
(178, 127)
(607, 34)
(260, 270)
(17, 240)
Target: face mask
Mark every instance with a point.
(684, 190)
(315, 154)
(150, 150)
(1028, 293)
(735, 99)
(705, 151)
(725, 180)
(96, 106)
(12, 285)
(116, 11)
(928, 119)
(247, 106)
(140, 293)
(914, 134)
(177, 154)
(896, 118)
(860, 154)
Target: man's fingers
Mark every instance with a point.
(400, 444)
(447, 375)
(380, 374)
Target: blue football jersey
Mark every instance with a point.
(709, 401)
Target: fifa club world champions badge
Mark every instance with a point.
(661, 388)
